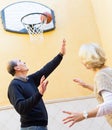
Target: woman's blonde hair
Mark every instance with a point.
(92, 55)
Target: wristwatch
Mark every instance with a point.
(85, 114)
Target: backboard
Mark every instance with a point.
(11, 15)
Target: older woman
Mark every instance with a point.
(93, 58)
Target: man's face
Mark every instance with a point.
(21, 66)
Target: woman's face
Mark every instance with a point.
(86, 65)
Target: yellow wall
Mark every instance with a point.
(103, 15)
(76, 22)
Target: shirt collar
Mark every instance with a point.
(21, 78)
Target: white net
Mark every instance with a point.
(35, 32)
(34, 25)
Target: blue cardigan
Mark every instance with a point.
(27, 100)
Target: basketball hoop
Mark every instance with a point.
(34, 26)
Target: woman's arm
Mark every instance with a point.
(74, 117)
(101, 110)
(83, 84)
(106, 107)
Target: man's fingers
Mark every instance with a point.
(46, 83)
(42, 79)
(64, 41)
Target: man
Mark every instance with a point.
(25, 92)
